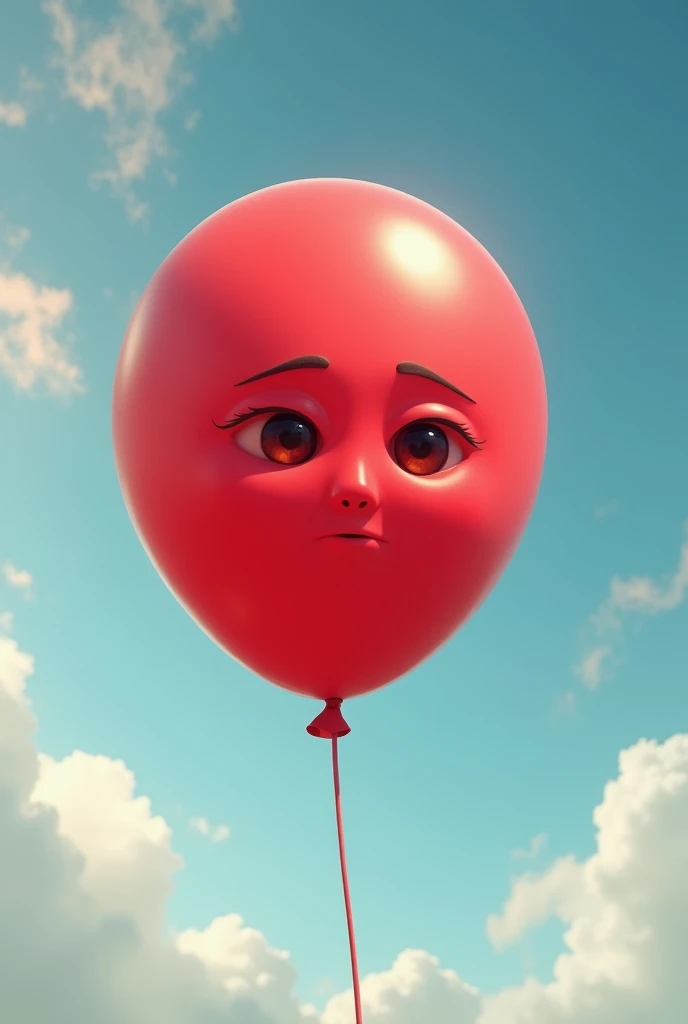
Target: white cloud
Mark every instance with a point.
(605, 511)
(12, 236)
(535, 847)
(19, 578)
(131, 71)
(31, 316)
(566, 705)
(31, 320)
(15, 668)
(534, 899)
(6, 622)
(217, 14)
(638, 594)
(641, 594)
(129, 863)
(215, 833)
(13, 113)
(415, 989)
(191, 120)
(86, 868)
(626, 906)
(240, 962)
(591, 667)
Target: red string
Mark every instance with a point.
(345, 883)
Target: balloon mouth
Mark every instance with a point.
(355, 537)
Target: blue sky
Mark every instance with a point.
(554, 134)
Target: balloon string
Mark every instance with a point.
(345, 882)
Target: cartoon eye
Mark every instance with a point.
(286, 438)
(422, 448)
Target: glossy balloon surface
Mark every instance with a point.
(249, 516)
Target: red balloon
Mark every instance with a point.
(332, 521)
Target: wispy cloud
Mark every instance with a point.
(31, 315)
(215, 833)
(606, 511)
(638, 595)
(536, 846)
(15, 113)
(19, 578)
(565, 705)
(131, 70)
(32, 319)
(215, 16)
(191, 120)
(590, 668)
(12, 238)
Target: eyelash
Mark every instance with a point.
(459, 427)
(242, 417)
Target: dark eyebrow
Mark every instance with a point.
(300, 363)
(416, 370)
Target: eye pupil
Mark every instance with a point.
(288, 439)
(421, 448)
(291, 438)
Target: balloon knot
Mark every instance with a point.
(330, 722)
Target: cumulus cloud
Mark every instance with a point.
(215, 833)
(86, 868)
(128, 861)
(535, 899)
(415, 989)
(626, 906)
(240, 962)
(638, 595)
(131, 70)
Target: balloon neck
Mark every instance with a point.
(330, 722)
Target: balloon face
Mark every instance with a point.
(329, 424)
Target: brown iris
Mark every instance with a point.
(421, 448)
(288, 439)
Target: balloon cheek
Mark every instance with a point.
(456, 508)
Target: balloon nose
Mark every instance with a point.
(356, 493)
